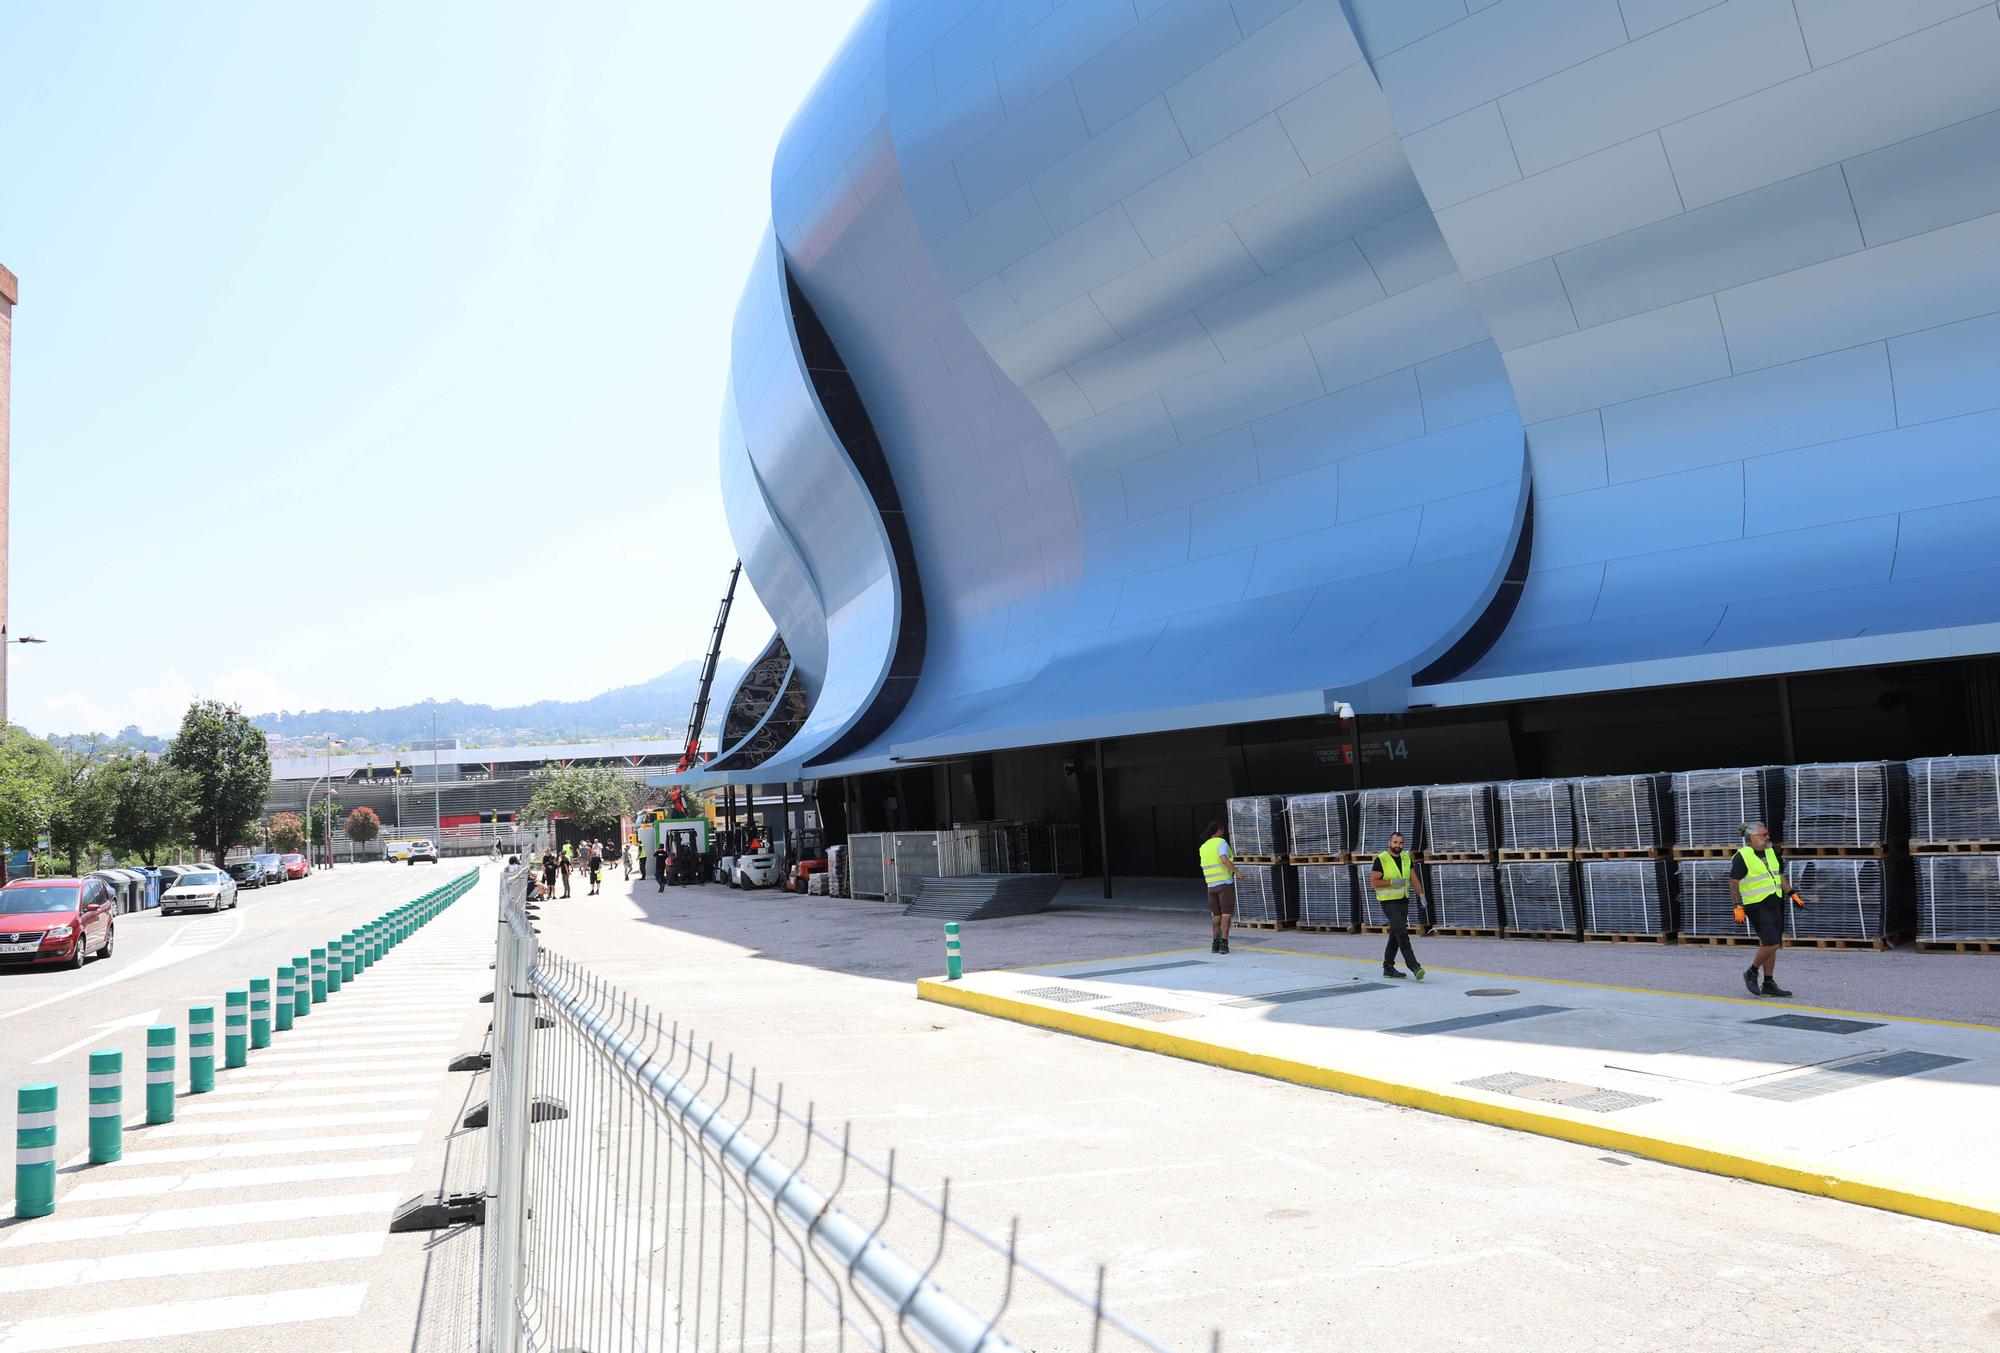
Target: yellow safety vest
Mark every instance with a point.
(1761, 878)
(1395, 877)
(1214, 868)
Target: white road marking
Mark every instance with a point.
(334, 1101)
(297, 1146)
(174, 1318)
(384, 1040)
(104, 1030)
(166, 955)
(55, 1230)
(285, 1063)
(298, 1123)
(332, 1079)
(267, 1176)
(193, 1259)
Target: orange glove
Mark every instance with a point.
(1740, 917)
(1798, 902)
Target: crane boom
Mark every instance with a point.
(698, 716)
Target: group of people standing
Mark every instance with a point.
(558, 865)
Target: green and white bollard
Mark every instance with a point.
(236, 1029)
(286, 1004)
(201, 1049)
(260, 1012)
(954, 968)
(107, 1106)
(301, 986)
(160, 1073)
(333, 966)
(35, 1150)
(347, 943)
(318, 976)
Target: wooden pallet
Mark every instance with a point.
(1507, 934)
(1263, 925)
(1416, 932)
(1955, 847)
(1748, 941)
(1959, 946)
(1638, 853)
(1879, 943)
(1840, 852)
(1320, 859)
(1537, 856)
(1466, 932)
(1306, 928)
(1258, 859)
(1458, 857)
(1701, 852)
(1608, 938)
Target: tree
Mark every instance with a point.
(593, 797)
(228, 766)
(149, 806)
(288, 833)
(318, 820)
(29, 769)
(363, 826)
(80, 818)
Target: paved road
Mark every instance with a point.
(265, 1204)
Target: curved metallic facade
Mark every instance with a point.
(1218, 350)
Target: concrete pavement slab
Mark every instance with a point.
(1882, 1110)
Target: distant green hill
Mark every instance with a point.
(648, 709)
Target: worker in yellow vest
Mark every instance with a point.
(1218, 871)
(1395, 877)
(1757, 879)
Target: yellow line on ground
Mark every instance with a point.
(1517, 977)
(1967, 1212)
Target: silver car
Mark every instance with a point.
(205, 889)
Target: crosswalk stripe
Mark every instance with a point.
(209, 1108)
(308, 1122)
(194, 1259)
(173, 1318)
(331, 1078)
(295, 1146)
(59, 1229)
(268, 1176)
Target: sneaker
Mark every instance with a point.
(1225, 944)
(1417, 971)
(1394, 972)
(1750, 980)
(1215, 944)
(1773, 989)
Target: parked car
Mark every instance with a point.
(247, 873)
(207, 889)
(55, 921)
(297, 866)
(422, 851)
(273, 866)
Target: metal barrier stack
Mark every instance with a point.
(643, 1192)
(1535, 822)
(1955, 842)
(1461, 889)
(1621, 872)
(1320, 827)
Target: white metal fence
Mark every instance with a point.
(645, 1192)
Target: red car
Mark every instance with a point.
(55, 921)
(296, 867)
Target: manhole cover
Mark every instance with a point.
(1494, 991)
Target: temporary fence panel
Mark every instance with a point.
(1381, 813)
(1318, 823)
(1257, 825)
(913, 857)
(1538, 895)
(645, 1191)
(1955, 798)
(1852, 803)
(1029, 848)
(1326, 895)
(1458, 818)
(1958, 897)
(1861, 899)
(1707, 902)
(1625, 897)
(1619, 812)
(1264, 893)
(1535, 815)
(1463, 896)
(867, 865)
(1711, 807)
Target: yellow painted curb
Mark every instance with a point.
(1973, 1214)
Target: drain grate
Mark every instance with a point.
(1460, 1023)
(1142, 967)
(1827, 1080)
(1819, 1024)
(1494, 991)
(1569, 1094)
(1147, 1010)
(1298, 994)
(1064, 995)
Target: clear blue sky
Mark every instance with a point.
(373, 351)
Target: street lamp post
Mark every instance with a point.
(5, 639)
(331, 743)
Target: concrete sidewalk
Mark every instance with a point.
(1886, 1111)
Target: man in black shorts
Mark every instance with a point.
(1757, 879)
(1218, 871)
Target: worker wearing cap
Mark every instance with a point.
(1757, 878)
